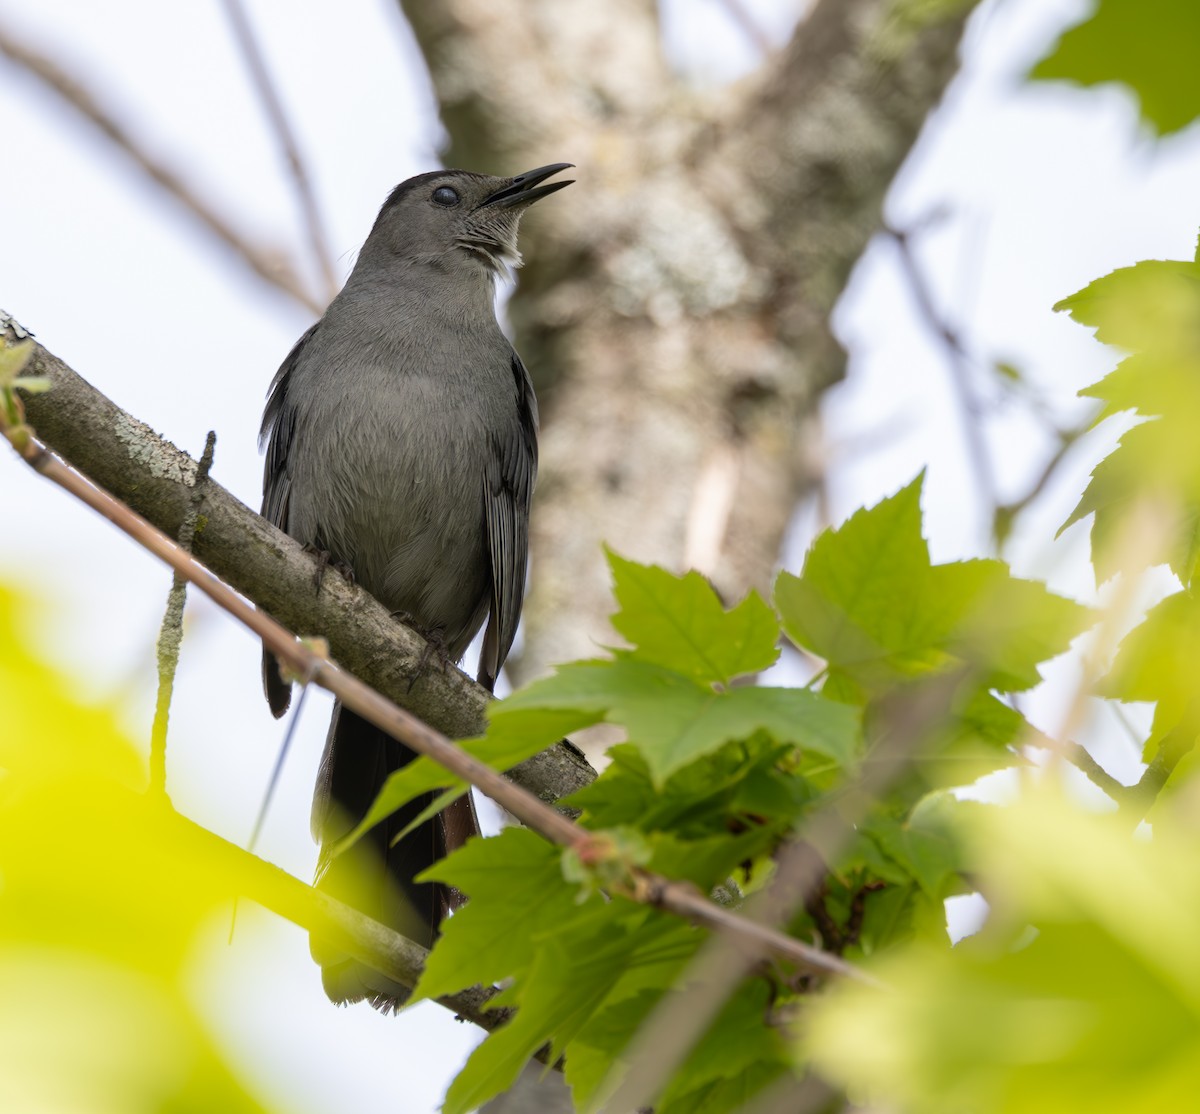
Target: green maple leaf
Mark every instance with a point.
(872, 605)
(678, 622)
(514, 870)
(674, 720)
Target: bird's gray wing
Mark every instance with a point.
(278, 428)
(508, 490)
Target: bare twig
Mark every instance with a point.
(644, 886)
(1007, 512)
(273, 105)
(269, 264)
(959, 362)
(1096, 774)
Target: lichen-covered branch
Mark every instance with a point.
(127, 458)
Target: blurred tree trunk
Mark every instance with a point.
(674, 305)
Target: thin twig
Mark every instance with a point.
(678, 898)
(959, 362)
(1132, 733)
(280, 758)
(269, 264)
(1079, 757)
(740, 15)
(1007, 512)
(170, 635)
(268, 796)
(317, 240)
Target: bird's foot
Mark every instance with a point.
(326, 560)
(435, 647)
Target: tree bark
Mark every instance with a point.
(675, 303)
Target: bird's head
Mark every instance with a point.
(450, 218)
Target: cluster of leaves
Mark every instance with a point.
(1081, 995)
(1081, 992)
(715, 774)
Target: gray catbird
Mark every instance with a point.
(401, 444)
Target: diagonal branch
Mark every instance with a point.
(269, 264)
(116, 451)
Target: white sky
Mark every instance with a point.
(1046, 189)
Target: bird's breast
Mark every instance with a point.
(392, 484)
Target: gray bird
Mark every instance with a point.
(401, 444)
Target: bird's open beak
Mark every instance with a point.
(520, 190)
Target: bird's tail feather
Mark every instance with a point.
(373, 875)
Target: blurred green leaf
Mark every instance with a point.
(1146, 45)
(1097, 1010)
(102, 902)
(1151, 306)
(14, 358)
(1157, 662)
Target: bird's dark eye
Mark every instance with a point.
(444, 195)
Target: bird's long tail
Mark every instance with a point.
(373, 875)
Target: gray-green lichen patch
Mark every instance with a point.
(683, 259)
(160, 458)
